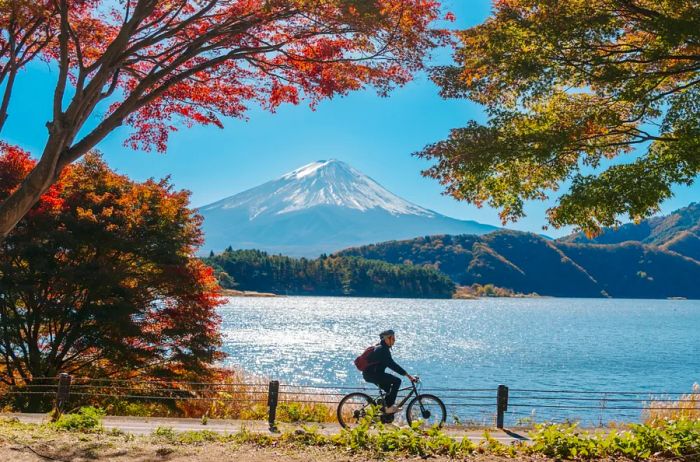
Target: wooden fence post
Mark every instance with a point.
(501, 405)
(272, 399)
(62, 392)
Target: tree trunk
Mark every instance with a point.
(36, 183)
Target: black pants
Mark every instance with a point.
(387, 382)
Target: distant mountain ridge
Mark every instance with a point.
(677, 232)
(322, 207)
(525, 263)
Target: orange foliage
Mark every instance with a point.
(102, 270)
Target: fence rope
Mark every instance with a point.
(518, 400)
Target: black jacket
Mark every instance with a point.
(380, 359)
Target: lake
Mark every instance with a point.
(527, 344)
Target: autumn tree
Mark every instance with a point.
(569, 88)
(99, 279)
(161, 63)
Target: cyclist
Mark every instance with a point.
(375, 373)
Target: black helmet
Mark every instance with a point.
(386, 333)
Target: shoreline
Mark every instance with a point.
(247, 293)
(457, 296)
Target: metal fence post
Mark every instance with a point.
(63, 392)
(272, 399)
(501, 405)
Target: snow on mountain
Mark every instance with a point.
(326, 182)
(321, 207)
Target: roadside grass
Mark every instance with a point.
(665, 439)
(686, 407)
(228, 394)
(231, 394)
(86, 419)
(294, 412)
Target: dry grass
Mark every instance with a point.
(686, 407)
(244, 396)
(227, 394)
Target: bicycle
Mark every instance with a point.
(425, 408)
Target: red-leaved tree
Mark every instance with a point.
(99, 279)
(157, 63)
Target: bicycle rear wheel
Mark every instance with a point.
(429, 410)
(353, 408)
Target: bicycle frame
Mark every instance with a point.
(414, 392)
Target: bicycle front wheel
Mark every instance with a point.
(429, 410)
(353, 408)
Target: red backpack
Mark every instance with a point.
(362, 361)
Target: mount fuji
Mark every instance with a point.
(322, 207)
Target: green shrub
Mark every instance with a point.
(377, 438)
(164, 433)
(672, 438)
(246, 436)
(491, 445)
(564, 441)
(306, 436)
(86, 419)
(199, 437)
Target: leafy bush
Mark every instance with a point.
(672, 438)
(491, 445)
(411, 440)
(246, 436)
(307, 436)
(164, 433)
(564, 441)
(198, 437)
(86, 419)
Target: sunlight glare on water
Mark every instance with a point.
(583, 344)
(531, 342)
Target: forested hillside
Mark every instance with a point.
(257, 271)
(678, 232)
(525, 262)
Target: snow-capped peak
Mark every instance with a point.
(321, 183)
(308, 169)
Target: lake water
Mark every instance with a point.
(543, 344)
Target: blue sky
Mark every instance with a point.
(375, 135)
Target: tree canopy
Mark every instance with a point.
(99, 279)
(572, 89)
(159, 64)
(327, 275)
